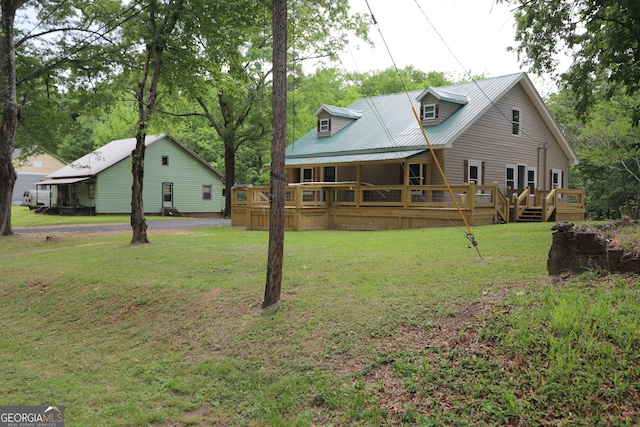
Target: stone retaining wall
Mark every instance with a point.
(578, 249)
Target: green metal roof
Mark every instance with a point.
(339, 111)
(444, 95)
(355, 157)
(387, 123)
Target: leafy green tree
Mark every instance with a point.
(228, 47)
(46, 46)
(156, 32)
(392, 81)
(601, 36)
(306, 93)
(606, 143)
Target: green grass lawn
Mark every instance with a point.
(406, 327)
(21, 216)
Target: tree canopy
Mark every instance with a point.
(602, 37)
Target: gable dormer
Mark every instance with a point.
(436, 105)
(332, 119)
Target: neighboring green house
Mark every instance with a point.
(176, 181)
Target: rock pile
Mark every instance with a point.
(578, 249)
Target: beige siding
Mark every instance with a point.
(44, 163)
(336, 124)
(346, 173)
(490, 140)
(382, 174)
(445, 109)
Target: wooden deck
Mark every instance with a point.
(349, 206)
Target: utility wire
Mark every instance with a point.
(469, 235)
(468, 74)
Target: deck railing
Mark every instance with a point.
(353, 195)
(478, 202)
(560, 199)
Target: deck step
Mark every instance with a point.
(531, 214)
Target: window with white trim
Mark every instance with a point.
(531, 180)
(323, 126)
(307, 174)
(429, 111)
(416, 174)
(206, 191)
(510, 180)
(515, 122)
(474, 172)
(556, 178)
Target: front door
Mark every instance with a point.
(167, 194)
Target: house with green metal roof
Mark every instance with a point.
(176, 181)
(390, 157)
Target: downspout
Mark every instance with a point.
(544, 146)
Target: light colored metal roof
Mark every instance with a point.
(62, 181)
(339, 111)
(112, 153)
(444, 95)
(388, 122)
(104, 157)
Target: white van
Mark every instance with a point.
(35, 199)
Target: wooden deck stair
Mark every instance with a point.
(531, 214)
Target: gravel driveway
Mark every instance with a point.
(158, 224)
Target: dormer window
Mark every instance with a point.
(429, 112)
(324, 125)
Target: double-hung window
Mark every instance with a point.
(474, 172)
(206, 191)
(323, 126)
(511, 177)
(515, 122)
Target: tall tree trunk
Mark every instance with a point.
(229, 174)
(146, 97)
(146, 103)
(278, 144)
(138, 222)
(10, 114)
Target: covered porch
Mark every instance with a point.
(360, 206)
(69, 196)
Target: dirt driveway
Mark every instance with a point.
(159, 224)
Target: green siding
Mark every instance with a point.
(187, 173)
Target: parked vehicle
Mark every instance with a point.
(35, 199)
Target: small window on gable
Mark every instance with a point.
(206, 191)
(429, 112)
(165, 160)
(324, 125)
(515, 122)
